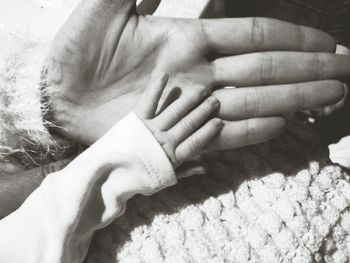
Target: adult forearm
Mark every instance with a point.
(15, 188)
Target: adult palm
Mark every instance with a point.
(103, 56)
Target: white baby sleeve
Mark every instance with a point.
(57, 221)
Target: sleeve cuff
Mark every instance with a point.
(148, 150)
(57, 221)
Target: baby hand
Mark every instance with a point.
(184, 127)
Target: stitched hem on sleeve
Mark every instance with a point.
(151, 154)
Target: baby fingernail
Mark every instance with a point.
(214, 101)
(165, 76)
(218, 122)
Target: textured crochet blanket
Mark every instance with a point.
(281, 201)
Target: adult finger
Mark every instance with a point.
(333, 108)
(198, 140)
(237, 134)
(325, 111)
(269, 68)
(251, 102)
(193, 120)
(243, 35)
(181, 107)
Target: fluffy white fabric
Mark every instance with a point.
(22, 129)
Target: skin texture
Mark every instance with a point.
(184, 127)
(103, 56)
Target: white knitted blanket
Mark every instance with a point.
(277, 202)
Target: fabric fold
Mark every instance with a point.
(56, 223)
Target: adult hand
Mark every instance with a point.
(102, 59)
(327, 111)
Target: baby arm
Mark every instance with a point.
(57, 221)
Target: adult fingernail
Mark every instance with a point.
(200, 171)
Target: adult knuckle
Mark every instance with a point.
(251, 103)
(301, 37)
(320, 65)
(205, 32)
(252, 135)
(298, 93)
(257, 32)
(267, 67)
